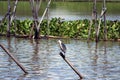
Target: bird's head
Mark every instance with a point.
(59, 41)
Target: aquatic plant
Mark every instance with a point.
(59, 27)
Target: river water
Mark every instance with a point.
(42, 60)
(65, 10)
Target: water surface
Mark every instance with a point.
(42, 60)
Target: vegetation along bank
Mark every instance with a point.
(77, 29)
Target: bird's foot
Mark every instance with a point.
(62, 54)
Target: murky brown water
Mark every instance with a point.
(42, 60)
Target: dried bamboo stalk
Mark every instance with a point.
(13, 58)
(9, 17)
(70, 64)
(38, 28)
(105, 27)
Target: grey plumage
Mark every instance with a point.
(62, 46)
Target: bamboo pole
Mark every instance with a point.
(38, 27)
(91, 22)
(31, 31)
(105, 27)
(48, 30)
(32, 3)
(39, 5)
(36, 35)
(95, 17)
(94, 20)
(32, 7)
(100, 19)
(32, 25)
(35, 9)
(13, 17)
(4, 18)
(13, 58)
(9, 17)
(68, 62)
(14, 11)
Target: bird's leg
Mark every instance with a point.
(62, 54)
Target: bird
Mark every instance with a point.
(62, 47)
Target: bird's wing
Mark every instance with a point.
(64, 47)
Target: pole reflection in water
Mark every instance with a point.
(93, 51)
(95, 61)
(105, 62)
(35, 57)
(98, 59)
(39, 60)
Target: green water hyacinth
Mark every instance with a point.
(61, 28)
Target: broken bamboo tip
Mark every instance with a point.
(68, 62)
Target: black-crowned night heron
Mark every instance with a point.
(62, 47)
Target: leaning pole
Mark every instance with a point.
(13, 58)
(70, 64)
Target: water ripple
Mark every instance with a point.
(41, 59)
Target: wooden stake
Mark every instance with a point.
(35, 9)
(68, 62)
(105, 27)
(12, 57)
(4, 18)
(102, 14)
(91, 22)
(9, 17)
(14, 11)
(38, 27)
(48, 30)
(95, 17)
